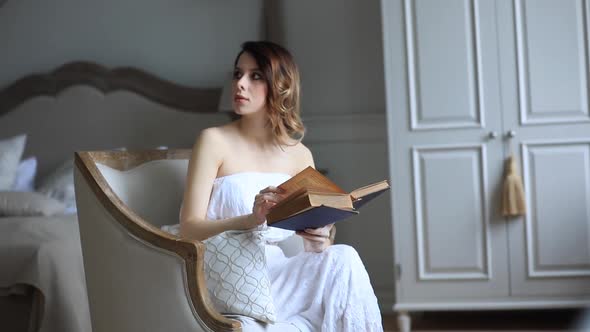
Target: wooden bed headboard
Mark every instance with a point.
(84, 106)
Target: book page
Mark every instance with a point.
(310, 179)
(369, 189)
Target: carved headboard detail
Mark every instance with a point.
(109, 80)
(85, 106)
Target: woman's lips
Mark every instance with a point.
(240, 99)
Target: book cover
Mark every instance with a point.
(314, 218)
(305, 200)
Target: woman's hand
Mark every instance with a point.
(263, 202)
(316, 239)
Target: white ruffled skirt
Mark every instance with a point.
(328, 291)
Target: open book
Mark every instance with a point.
(312, 200)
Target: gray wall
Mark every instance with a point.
(338, 47)
(186, 41)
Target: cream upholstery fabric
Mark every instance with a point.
(153, 190)
(132, 286)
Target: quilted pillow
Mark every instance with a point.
(26, 204)
(11, 150)
(236, 273)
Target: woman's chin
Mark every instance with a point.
(245, 111)
(240, 109)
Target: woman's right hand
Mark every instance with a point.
(263, 202)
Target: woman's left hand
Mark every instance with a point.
(316, 239)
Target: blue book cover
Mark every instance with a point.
(315, 217)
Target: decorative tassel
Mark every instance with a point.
(513, 200)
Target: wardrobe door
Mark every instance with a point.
(544, 56)
(444, 116)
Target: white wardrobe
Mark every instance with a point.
(469, 82)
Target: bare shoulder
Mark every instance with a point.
(212, 135)
(303, 156)
(215, 137)
(212, 144)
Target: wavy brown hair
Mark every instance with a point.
(282, 77)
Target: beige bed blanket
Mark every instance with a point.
(45, 252)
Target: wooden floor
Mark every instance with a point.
(518, 320)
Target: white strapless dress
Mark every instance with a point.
(328, 291)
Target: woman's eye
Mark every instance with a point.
(237, 75)
(256, 76)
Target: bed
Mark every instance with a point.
(78, 106)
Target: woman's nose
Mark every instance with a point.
(242, 83)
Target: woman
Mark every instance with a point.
(261, 150)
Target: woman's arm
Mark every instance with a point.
(206, 158)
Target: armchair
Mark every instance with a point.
(139, 277)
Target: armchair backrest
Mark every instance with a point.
(153, 190)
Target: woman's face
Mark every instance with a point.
(249, 87)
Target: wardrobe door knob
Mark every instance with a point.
(510, 133)
(492, 135)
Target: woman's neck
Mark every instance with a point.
(256, 129)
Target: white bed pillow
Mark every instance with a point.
(25, 175)
(11, 150)
(60, 185)
(236, 273)
(25, 204)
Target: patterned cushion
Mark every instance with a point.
(237, 279)
(11, 150)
